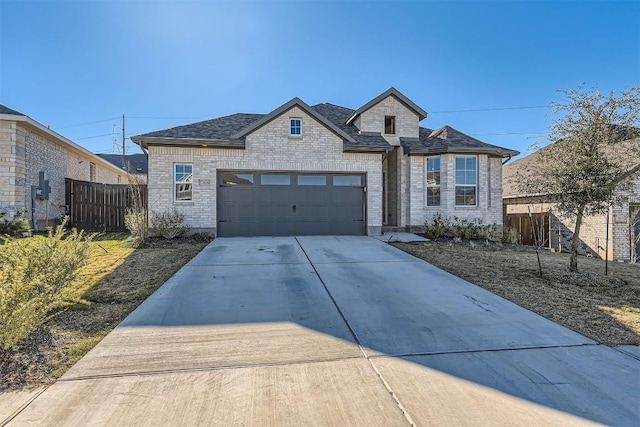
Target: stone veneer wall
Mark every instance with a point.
(268, 148)
(25, 153)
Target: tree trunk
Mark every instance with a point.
(573, 263)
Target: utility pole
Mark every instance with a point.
(124, 146)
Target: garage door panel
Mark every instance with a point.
(311, 204)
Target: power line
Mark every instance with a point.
(87, 123)
(489, 109)
(164, 118)
(507, 133)
(94, 136)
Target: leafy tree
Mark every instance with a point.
(592, 155)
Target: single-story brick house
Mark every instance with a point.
(322, 169)
(28, 148)
(615, 235)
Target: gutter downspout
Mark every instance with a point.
(504, 162)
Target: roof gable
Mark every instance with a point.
(392, 91)
(286, 107)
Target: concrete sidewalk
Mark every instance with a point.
(336, 331)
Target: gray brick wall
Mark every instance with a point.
(268, 148)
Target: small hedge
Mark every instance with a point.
(169, 224)
(36, 275)
(440, 226)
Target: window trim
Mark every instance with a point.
(176, 182)
(426, 183)
(456, 185)
(292, 127)
(392, 124)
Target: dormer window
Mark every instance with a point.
(390, 125)
(296, 127)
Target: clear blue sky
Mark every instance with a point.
(67, 63)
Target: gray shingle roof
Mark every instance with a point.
(449, 140)
(229, 131)
(138, 163)
(7, 110)
(338, 115)
(220, 128)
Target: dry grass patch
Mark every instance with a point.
(604, 308)
(117, 279)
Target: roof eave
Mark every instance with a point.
(144, 142)
(502, 152)
(347, 148)
(40, 128)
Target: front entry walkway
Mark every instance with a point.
(342, 331)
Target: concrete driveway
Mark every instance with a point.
(336, 331)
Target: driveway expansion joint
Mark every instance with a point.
(204, 369)
(484, 350)
(24, 406)
(386, 385)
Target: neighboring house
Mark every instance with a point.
(322, 169)
(28, 148)
(615, 234)
(135, 164)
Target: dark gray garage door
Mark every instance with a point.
(287, 204)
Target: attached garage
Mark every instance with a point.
(258, 203)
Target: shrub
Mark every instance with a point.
(510, 235)
(36, 275)
(461, 228)
(14, 225)
(438, 227)
(136, 223)
(169, 224)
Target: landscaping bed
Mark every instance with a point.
(605, 308)
(119, 276)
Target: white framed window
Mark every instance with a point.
(432, 184)
(182, 182)
(466, 181)
(92, 172)
(295, 128)
(390, 125)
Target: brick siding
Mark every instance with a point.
(25, 153)
(269, 148)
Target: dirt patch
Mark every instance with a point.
(605, 308)
(118, 278)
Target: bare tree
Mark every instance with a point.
(136, 217)
(587, 164)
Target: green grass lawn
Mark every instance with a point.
(118, 277)
(604, 308)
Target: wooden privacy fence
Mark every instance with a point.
(99, 207)
(522, 223)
